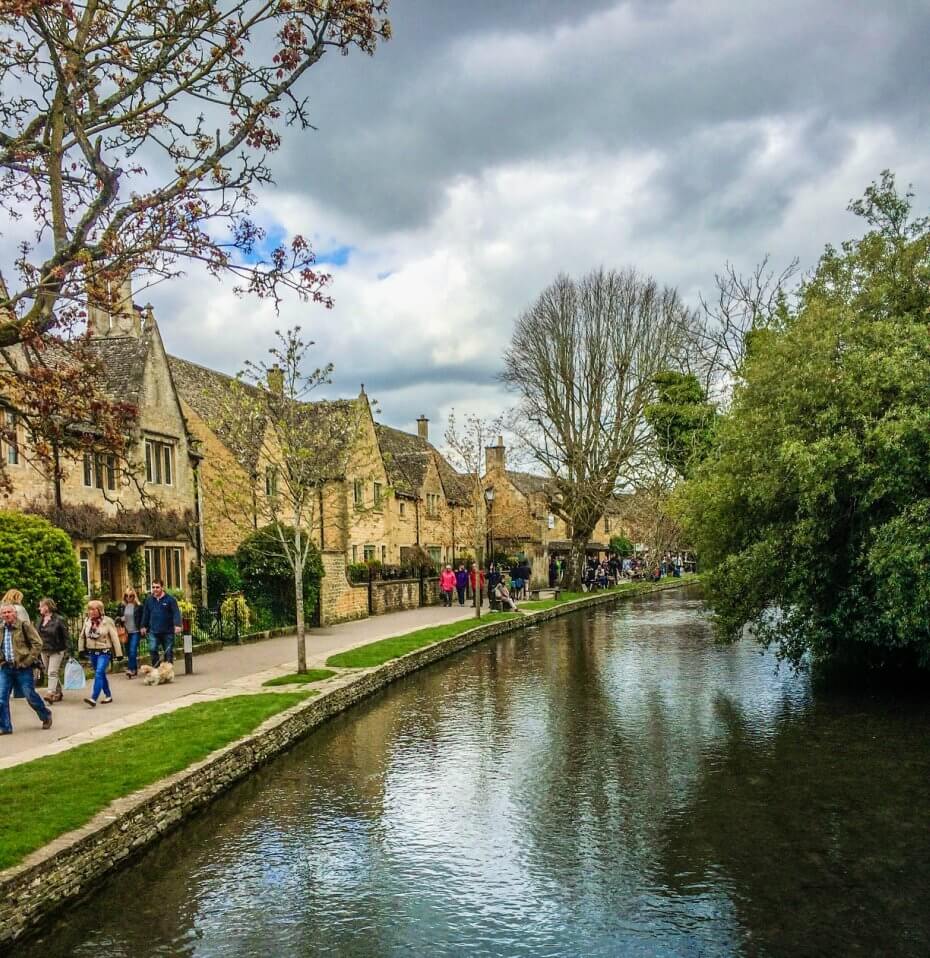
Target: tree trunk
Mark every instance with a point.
(299, 601)
(576, 560)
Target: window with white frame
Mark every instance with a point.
(358, 492)
(11, 437)
(369, 553)
(100, 471)
(432, 504)
(159, 462)
(354, 555)
(84, 563)
(377, 495)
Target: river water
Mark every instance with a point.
(607, 784)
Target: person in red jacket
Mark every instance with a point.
(446, 585)
(476, 578)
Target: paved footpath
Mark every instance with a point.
(234, 670)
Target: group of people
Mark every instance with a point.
(25, 649)
(464, 583)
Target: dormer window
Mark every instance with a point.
(159, 463)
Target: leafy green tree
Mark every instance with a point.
(813, 516)
(38, 559)
(682, 420)
(620, 546)
(222, 577)
(267, 574)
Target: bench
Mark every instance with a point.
(534, 594)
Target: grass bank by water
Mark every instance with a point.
(301, 678)
(376, 653)
(624, 588)
(47, 797)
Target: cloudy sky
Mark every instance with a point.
(491, 144)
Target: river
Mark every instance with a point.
(607, 784)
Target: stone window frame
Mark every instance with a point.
(369, 553)
(165, 563)
(160, 461)
(98, 465)
(11, 450)
(377, 495)
(358, 493)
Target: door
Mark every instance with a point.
(109, 577)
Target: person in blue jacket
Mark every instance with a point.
(461, 583)
(161, 621)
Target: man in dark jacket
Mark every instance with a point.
(20, 649)
(161, 621)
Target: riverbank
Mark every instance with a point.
(66, 869)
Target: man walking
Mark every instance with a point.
(161, 621)
(20, 649)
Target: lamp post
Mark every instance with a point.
(489, 543)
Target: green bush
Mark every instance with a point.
(357, 572)
(39, 560)
(267, 577)
(223, 577)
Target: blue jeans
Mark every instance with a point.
(100, 662)
(20, 679)
(167, 641)
(132, 652)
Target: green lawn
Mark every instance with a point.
(49, 796)
(301, 678)
(376, 653)
(623, 588)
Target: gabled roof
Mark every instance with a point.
(406, 460)
(207, 392)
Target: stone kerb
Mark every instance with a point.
(70, 866)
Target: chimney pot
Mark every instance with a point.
(423, 427)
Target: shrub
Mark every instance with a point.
(223, 577)
(235, 608)
(39, 560)
(357, 572)
(267, 576)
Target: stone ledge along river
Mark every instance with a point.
(606, 784)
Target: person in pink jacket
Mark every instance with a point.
(447, 584)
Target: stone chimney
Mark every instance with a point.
(423, 427)
(276, 379)
(121, 318)
(495, 457)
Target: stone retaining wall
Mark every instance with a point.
(72, 865)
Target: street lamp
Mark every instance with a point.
(489, 499)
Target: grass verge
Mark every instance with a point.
(301, 678)
(50, 796)
(625, 588)
(376, 653)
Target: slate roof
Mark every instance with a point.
(406, 459)
(122, 360)
(207, 392)
(529, 483)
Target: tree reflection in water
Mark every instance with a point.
(608, 784)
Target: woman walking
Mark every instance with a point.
(53, 631)
(131, 614)
(461, 583)
(14, 598)
(100, 641)
(446, 585)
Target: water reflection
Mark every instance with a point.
(610, 784)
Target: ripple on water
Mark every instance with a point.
(611, 783)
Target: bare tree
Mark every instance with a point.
(583, 361)
(294, 447)
(466, 440)
(717, 334)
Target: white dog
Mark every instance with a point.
(160, 676)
